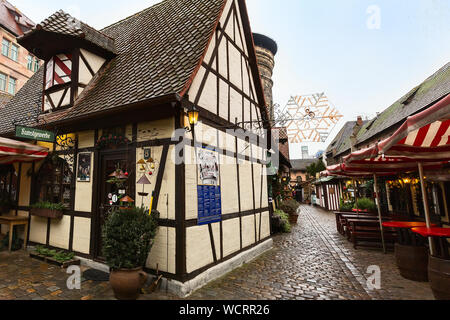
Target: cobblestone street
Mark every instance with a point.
(313, 262)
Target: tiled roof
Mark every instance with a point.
(302, 164)
(4, 99)
(8, 14)
(430, 91)
(64, 23)
(342, 141)
(158, 50)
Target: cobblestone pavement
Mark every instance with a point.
(313, 262)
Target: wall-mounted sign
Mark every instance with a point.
(84, 167)
(34, 134)
(208, 190)
(147, 154)
(208, 166)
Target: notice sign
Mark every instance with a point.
(209, 205)
(208, 189)
(34, 134)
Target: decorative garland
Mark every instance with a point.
(116, 140)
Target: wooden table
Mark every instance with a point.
(440, 236)
(13, 221)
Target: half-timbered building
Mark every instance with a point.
(114, 97)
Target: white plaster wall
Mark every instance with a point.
(245, 171)
(38, 230)
(208, 98)
(82, 235)
(223, 100)
(165, 243)
(167, 186)
(228, 173)
(265, 227)
(198, 248)
(160, 129)
(231, 236)
(248, 230)
(59, 232)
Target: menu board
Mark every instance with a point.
(209, 205)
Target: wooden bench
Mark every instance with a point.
(368, 231)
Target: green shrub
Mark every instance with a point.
(290, 207)
(49, 205)
(128, 237)
(59, 256)
(285, 225)
(346, 206)
(365, 204)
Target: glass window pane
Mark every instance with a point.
(2, 82)
(14, 52)
(5, 47)
(36, 64)
(30, 63)
(12, 86)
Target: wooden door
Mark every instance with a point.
(109, 194)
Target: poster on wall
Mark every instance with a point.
(208, 189)
(84, 167)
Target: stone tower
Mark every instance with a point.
(266, 49)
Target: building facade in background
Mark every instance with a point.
(17, 64)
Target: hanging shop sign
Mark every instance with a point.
(208, 189)
(34, 134)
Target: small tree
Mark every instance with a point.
(315, 168)
(128, 237)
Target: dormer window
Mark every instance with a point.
(73, 57)
(58, 70)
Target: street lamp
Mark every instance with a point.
(193, 118)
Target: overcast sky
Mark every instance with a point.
(363, 54)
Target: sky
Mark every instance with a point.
(364, 55)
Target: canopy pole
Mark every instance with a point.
(356, 194)
(425, 205)
(379, 212)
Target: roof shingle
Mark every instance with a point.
(158, 50)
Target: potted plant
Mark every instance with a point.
(127, 239)
(291, 208)
(280, 222)
(47, 209)
(365, 205)
(346, 206)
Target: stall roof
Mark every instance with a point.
(12, 151)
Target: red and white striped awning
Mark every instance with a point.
(15, 151)
(423, 138)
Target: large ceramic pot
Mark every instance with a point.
(412, 262)
(127, 283)
(439, 275)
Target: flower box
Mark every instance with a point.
(50, 260)
(47, 213)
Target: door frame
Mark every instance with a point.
(97, 188)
